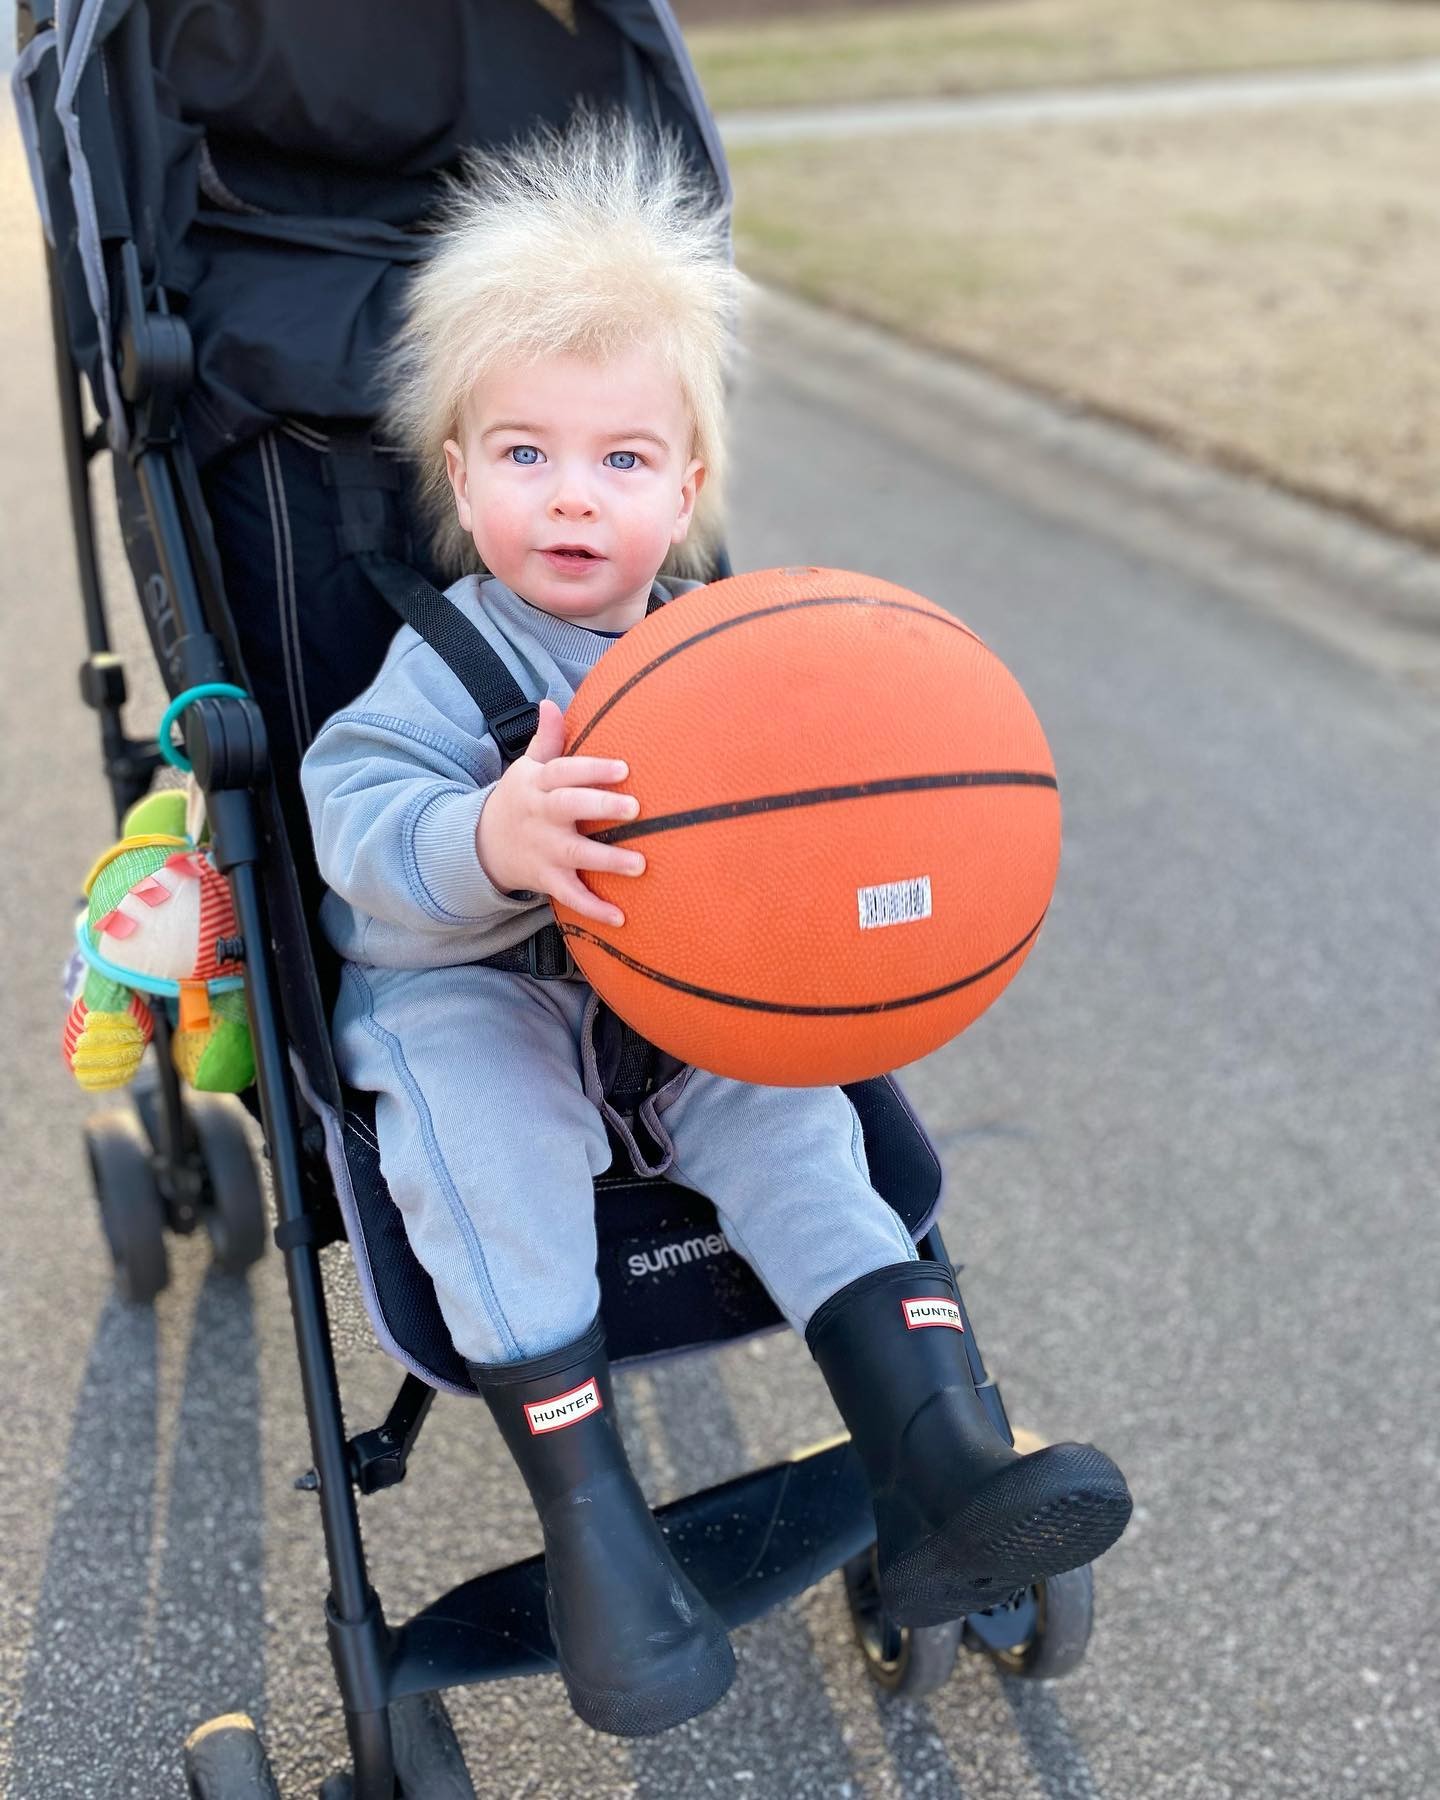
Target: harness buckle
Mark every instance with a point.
(548, 951)
(512, 728)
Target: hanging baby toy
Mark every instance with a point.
(159, 928)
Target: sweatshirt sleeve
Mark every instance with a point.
(395, 787)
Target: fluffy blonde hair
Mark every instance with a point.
(586, 241)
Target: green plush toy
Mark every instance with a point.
(159, 912)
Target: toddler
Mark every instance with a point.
(561, 379)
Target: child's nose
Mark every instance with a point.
(572, 497)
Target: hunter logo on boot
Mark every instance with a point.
(564, 1409)
(931, 1312)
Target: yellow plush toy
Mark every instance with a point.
(155, 931)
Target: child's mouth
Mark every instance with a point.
(572, 553)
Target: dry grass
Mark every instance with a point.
(1263, 289)
(928, 50)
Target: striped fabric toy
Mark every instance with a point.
(153, 934)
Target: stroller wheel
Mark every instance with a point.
(1042, 1634)
(225, 1760)
(234, 1205)
(429, 1764)
(131, 1210)
(428, 1758)
(911, 1660)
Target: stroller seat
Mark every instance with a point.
(668, 1279)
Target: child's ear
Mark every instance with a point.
(689, 488)
(459, 485)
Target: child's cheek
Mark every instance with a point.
(502, 524)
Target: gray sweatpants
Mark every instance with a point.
(487, 1110)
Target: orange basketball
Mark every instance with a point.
(850, 822)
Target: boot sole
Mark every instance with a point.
(667, 1700)
(1056, 1510)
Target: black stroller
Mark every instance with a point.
(231, 198)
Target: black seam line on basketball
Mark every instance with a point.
(761, 612)
(855, 790)
(809, 1012)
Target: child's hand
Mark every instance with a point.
(528, 837)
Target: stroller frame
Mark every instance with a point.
(749, 1543)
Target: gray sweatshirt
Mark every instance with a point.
(396, 782)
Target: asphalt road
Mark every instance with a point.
(1191, 1165)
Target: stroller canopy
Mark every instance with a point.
(274, 164)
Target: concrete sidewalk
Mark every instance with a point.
(1170, 97)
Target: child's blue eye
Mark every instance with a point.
(524, 454)
(622, 459)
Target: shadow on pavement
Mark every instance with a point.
(917, 1749)
(209, 1620)
(1058, 1761)
(776, 1731)
(143, 1629)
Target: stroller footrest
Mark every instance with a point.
(748, 1545)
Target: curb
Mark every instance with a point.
(1370, 593)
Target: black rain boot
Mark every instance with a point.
(962, 1518)
(639, 1649)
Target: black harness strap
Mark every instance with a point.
(511, 719)
(509, 716)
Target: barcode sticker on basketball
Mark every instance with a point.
(894, 902)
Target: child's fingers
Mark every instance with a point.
(606, 859)
(573, 804)
(582, 771)
(549, 738)
(571, 891)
